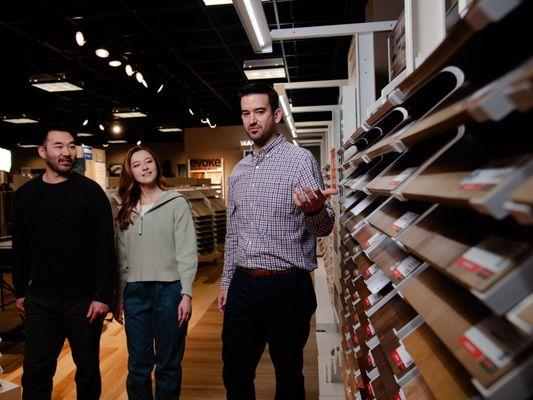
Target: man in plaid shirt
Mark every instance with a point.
(277, 206)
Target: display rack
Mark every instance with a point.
(435, 218)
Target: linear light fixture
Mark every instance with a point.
(265, 73)
(209, 3)
(22, 120)
(116, 141)
(5, 160)
(85, 134)
(27, 146)
(169, 128)
(128, 113)
(287, 115)
(254, 21)
(53, 83)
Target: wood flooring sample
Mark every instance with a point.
(442, 373)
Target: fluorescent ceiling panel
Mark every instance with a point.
(57, 86)
(265, 73)
(170, 129)
(116, 141)
(129, 114)
(85, 134)
(219, 2)
(20, 120)
(264, 62)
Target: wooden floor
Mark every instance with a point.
(202, 366)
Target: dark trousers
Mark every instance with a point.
(154, 338)
(47, 324)
(276, 310)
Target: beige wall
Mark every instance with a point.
(221, 142)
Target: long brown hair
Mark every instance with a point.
(129, 189)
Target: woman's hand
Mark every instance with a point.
(184, 309)
(117, 314)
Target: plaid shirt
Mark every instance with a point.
(265, 229)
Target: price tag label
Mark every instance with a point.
(493, 255)
(403, 268)
(402, 176)
(375, 238)
(370, 271)
(359, 225)
(402, 358)
(404, 221)
(372, 299)
(484, 178)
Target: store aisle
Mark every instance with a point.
(202, 365)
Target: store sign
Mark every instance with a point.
(205, 163)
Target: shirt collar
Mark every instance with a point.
(267, 149)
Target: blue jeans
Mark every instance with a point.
(154, 338)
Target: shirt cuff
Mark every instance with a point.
(317, 217)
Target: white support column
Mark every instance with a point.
(366, 95)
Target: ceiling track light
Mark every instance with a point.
(115, 63)
(208, 122)
(101, 127)
(138, 142)
(145, 84)
(160, 88)
(85, 122)
(102, 53)
(80, 39)
(116, 129)
(129, 70)
(253, 19)
(139, 77)
(191, 112)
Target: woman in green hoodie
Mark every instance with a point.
(157, 255)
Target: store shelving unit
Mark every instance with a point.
(435, 223)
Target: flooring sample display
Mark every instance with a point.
(417, 389)
(488, 347)
(444, 376)
(394, 216)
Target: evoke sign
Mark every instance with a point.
(205, 163)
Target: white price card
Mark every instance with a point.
(402, 176)
(484, 179)
(403, 268)
(404, 221)
(375, 238)
(402, 358)
(493, 255)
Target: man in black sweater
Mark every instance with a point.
(64, 268)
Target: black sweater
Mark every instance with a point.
(63, 240)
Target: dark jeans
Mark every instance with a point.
(276, 310)
(154, 338)
(47, 324)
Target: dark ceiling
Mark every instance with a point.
(196, 51)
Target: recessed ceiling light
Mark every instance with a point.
(139, 77)
(129, 70)
(85, 122)
(101, 127)
(22, 120)
(160, 88)
(106, 145)
(190, 111)
(57, 86)
(117, 141)
(115, 63)
(102, 53)
(85, 134)
(80, 39)
(265, 73)
(116, 128)
(145, 84)
(138, 142)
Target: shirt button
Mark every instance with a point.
(257, 167)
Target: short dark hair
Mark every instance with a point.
(261, 88)
(55, 125)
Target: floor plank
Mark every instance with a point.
(202, 365)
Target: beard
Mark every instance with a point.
(61, 169)
(264, 137)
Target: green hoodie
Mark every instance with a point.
(159, 246)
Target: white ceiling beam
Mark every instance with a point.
(312, 32)
(303, 109)
(311, 130)
(312, 123)
(315, 84)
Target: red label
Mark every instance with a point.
(397, 274)
(473, 267)
(397, 396)
(367, 302)
(476, 354)
(475, 186)
(397, 359)
(396, 228)
(370, 390)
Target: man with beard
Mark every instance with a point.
(64, 268)
(277, 206)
